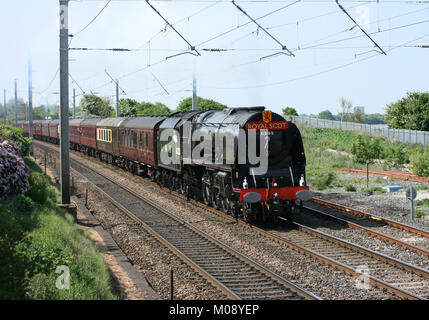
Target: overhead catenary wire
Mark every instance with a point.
(98, 14)
(314, 74)
(50, 83)
(179, 21)
(191, 47)
(214, 50)
(255, 49)
(351, 18)
(247, 23)
(114, 81)
(83, 91)
(277, 1)
(360, 36)
(263, 29)
(160, 84)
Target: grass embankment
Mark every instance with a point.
(327, 149)
(37, 240)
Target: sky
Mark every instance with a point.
(240, 64)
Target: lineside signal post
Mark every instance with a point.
(411, 194)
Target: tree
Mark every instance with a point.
(358, 115)
(289, 111)
(95, 105)
(150, 109)
(202, 104)
(326, 115)
(39, 113)
(55, 114)
(128, 107)
(375, 118)
(346, 108)
(411, 112)
(22, 110)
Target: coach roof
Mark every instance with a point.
(142, 122)
(110, 122)
(90, 121)
(75, 122)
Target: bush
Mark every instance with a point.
(13, 170)
(376, 190)
(38, 191)
(350, 188)
(423, 202)
(366, 148)
(420, 162)
(324, 181)
(395, 154)
(18, 138)
(420, 214)
(23, 203)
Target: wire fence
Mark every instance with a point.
(409, 136)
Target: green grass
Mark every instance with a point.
(376, 190)
(36, 238)
(423, 202)
(350, 188)
(320, 161)
(422, 187)
(420, 214)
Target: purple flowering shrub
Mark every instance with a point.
(13, 171)
(17, 136)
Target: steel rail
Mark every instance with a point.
(392, 223)
(376, 234)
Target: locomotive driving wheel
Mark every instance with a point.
(226, 205)
(249, 213)
(216, 201)
(206, 194)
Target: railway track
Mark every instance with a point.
(234, 274)
(397, 277)
(379, 227)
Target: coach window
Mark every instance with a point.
(134, 139)
(128, 138)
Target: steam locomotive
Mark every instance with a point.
(248, 162)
